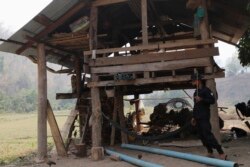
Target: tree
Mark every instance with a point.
(244, 49)
(244, 45)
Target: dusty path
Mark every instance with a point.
(237, 150)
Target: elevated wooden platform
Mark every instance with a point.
(154, 65)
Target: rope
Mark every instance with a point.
(150, 138)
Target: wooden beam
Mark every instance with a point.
(159, 66)
(85, 116)
(144, 21)
(29, 38)
(66, 96)
(43, 20)
(137, 101)
(42, 104)
(69, 126)
(76, 8)
(61, 150)
(238, 34)
(223, 27)
(93, 28)
(155, 57)
(168, 37)
(144, 81)
(63, 71)
(179, 44)
(98, 3)
(21, 43)
(222, 37)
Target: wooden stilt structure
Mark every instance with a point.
(135, 47)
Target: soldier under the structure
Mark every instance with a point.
(203, 98)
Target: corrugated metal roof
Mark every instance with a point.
(53, 11)
(175, 9)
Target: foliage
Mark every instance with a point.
(244, 45)
(248, 7)
(18, 83)
(23, 101)
(244, 49)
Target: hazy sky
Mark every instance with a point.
(226, 51)
(16, 13)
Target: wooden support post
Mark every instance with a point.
(146, 74)
(78, 89)
(173, 73)
(120, 109)
(86, 68)
(211, 82)
(214, 115)
(60, 148)
(138, 126)
(42, 104)
(85, 115)
(204, 23)
(97, 152)
(93, 28)
(114, 118)
(144, 19)
(153, 74)
(78, 75)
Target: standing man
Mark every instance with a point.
(203, 98)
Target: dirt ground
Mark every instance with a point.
(238, 150)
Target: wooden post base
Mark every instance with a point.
(97, 153)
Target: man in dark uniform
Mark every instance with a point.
(203, 98)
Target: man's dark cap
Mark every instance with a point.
(196, 76)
